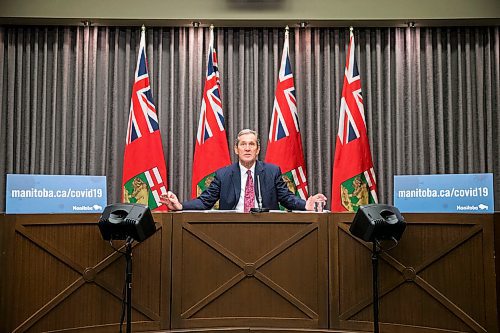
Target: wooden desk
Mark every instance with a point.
(441, 276)
(57, 273)
(264, 270)
(244, 272)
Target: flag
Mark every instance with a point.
(144, 170)
(211, 150)
(353, 182)
(284, 147)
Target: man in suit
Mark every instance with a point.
(237, 185)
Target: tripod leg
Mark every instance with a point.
(375, 287)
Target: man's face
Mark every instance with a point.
(247, 149)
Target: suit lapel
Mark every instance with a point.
(259, 175)
(236, 179)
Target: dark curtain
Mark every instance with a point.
(431, 97)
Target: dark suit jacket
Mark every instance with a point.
(226, 187)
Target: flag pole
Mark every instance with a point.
(143, 34)
(211, 41)
(287, 30)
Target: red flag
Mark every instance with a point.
(211, 151)
(144, 170)
(353, 175)
(284, 147)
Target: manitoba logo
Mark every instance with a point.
(145, 188)
(356, 192)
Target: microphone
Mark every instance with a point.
(259, 208)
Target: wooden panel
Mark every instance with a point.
(249, 272)
(235, 270)
(440, 276)
(61, 275)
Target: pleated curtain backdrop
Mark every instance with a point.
(431, 97)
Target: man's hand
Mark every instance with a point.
(317, 198)
(171, 201)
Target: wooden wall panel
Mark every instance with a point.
(440, 276)
(281, 272)
(61, 275)
(267, 270)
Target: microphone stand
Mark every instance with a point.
(259, 201)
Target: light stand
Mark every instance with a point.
(374, 223)
(129, 222)
(375, 253)
(128, 283)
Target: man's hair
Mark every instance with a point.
(246, 131)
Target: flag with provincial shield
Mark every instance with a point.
(144, 169)
(353, 183)
(211, 151)
(284, 147)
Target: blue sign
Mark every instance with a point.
(46, 194)
(452, 193)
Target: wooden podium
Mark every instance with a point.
(237, 270)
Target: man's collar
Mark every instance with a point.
(244, 169)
